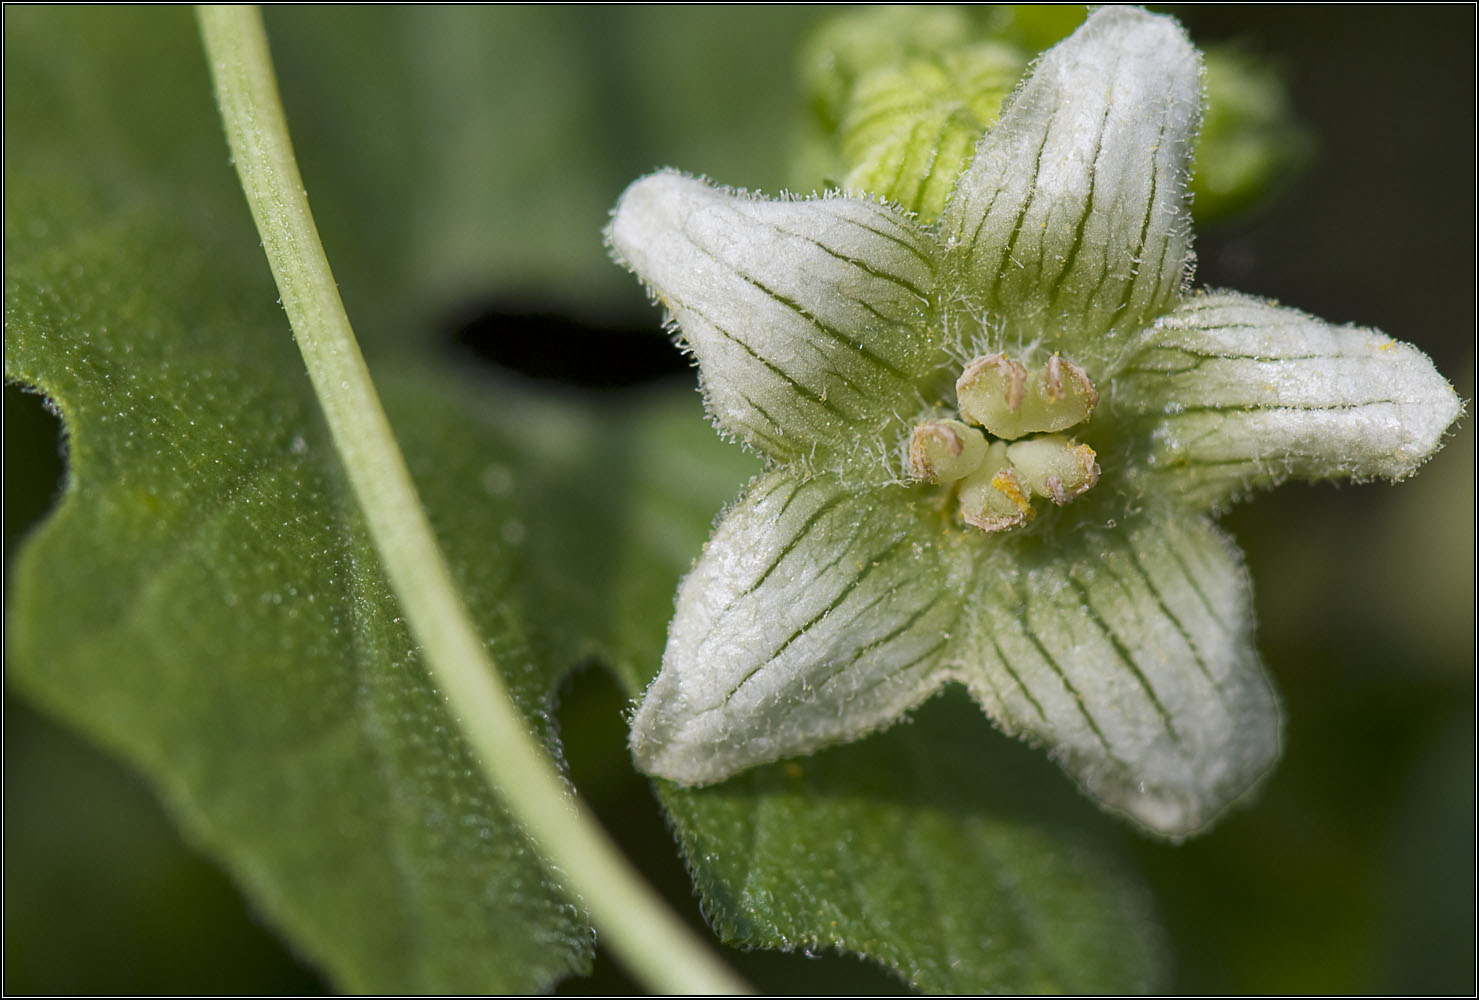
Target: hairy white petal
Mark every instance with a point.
(814, 616)
(826, 605)
(1072, 219)
(1134, 661)
(808, 318)
(1239, 392)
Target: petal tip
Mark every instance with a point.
(649, 210)
(657, 741)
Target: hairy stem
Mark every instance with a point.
(646, 936)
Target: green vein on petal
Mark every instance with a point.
(810, 596)
(1137, 666)
(807, 317)
(1238, 393)
(1072, 219)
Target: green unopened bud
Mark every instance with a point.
(996, 393)
(1054, 467)
(993, 497)
(943, 451)
(911, 128)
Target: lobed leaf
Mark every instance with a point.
(205, 600)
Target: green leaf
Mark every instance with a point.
(940, 849)
(205, 600)
(206, 603)
(142, 913)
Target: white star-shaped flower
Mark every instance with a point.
(995, 443)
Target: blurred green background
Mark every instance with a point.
(1354, 871)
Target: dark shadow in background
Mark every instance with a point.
(547, 347)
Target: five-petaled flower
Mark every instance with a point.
(995, 443)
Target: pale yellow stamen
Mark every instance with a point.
(995, 481)
(998, 394)
(1054, 467)
(942, 451)
(992, 498)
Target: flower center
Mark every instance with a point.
(995, 473)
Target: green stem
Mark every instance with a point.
(646, 936)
